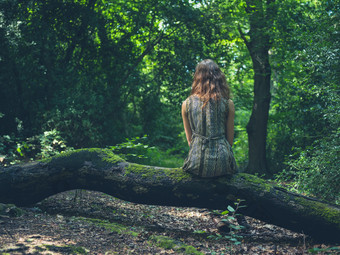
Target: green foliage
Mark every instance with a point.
(16, 149)
(100, 71)
(132, 149)
(240, 147)
(78, 117)
(316, 169)
(304, 120)
(137, 150)
(305, 63)
(229, 217)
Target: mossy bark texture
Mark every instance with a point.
(101, 170)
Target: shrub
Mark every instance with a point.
(315, 170)
(137, 150)
(15, 149)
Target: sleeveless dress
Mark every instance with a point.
(210, 154)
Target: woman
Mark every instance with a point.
(208, 119)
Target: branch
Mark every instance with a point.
(243, 36)
(148, 49)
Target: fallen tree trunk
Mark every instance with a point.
(101, 170)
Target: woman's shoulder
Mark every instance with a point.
(191, 102)
(190, 99)
(185, 104)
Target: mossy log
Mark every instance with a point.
(101, 170)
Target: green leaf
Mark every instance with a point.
(231, 209)
(199, 232)
(225, 212)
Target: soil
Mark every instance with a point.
(88, 222)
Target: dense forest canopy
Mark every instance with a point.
(91, 73)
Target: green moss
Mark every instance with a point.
(158, 173)
(169, 243)
(141, 170)
(192, 250)
(63, 154)
(78, 250)
(109, 156)
(164, 242)
(112, 226)
(105, 154)
(259, 183)
(10, 210)
(316, 208)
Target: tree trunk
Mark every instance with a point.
(257, 125)
(101, 170)
(258, 45)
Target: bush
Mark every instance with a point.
(16, 149)
(138, 151)
(316, 169)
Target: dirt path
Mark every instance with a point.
(86, 222)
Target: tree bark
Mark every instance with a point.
(257, 125)
(258, 45)
(101, 170)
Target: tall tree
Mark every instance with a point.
(260, 16)
(252, 21)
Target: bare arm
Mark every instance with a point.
(186, 124)
(230, 123)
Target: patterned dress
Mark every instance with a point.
(210, 154)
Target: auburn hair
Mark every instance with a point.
(209, 82)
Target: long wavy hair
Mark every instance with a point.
(209, 82)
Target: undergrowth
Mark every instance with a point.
(233, 237)
(137, 150)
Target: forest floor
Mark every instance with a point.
(87, 222)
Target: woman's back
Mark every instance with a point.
(210, 154)
(210, 120)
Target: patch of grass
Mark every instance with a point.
(112, 226)
(169, 243)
